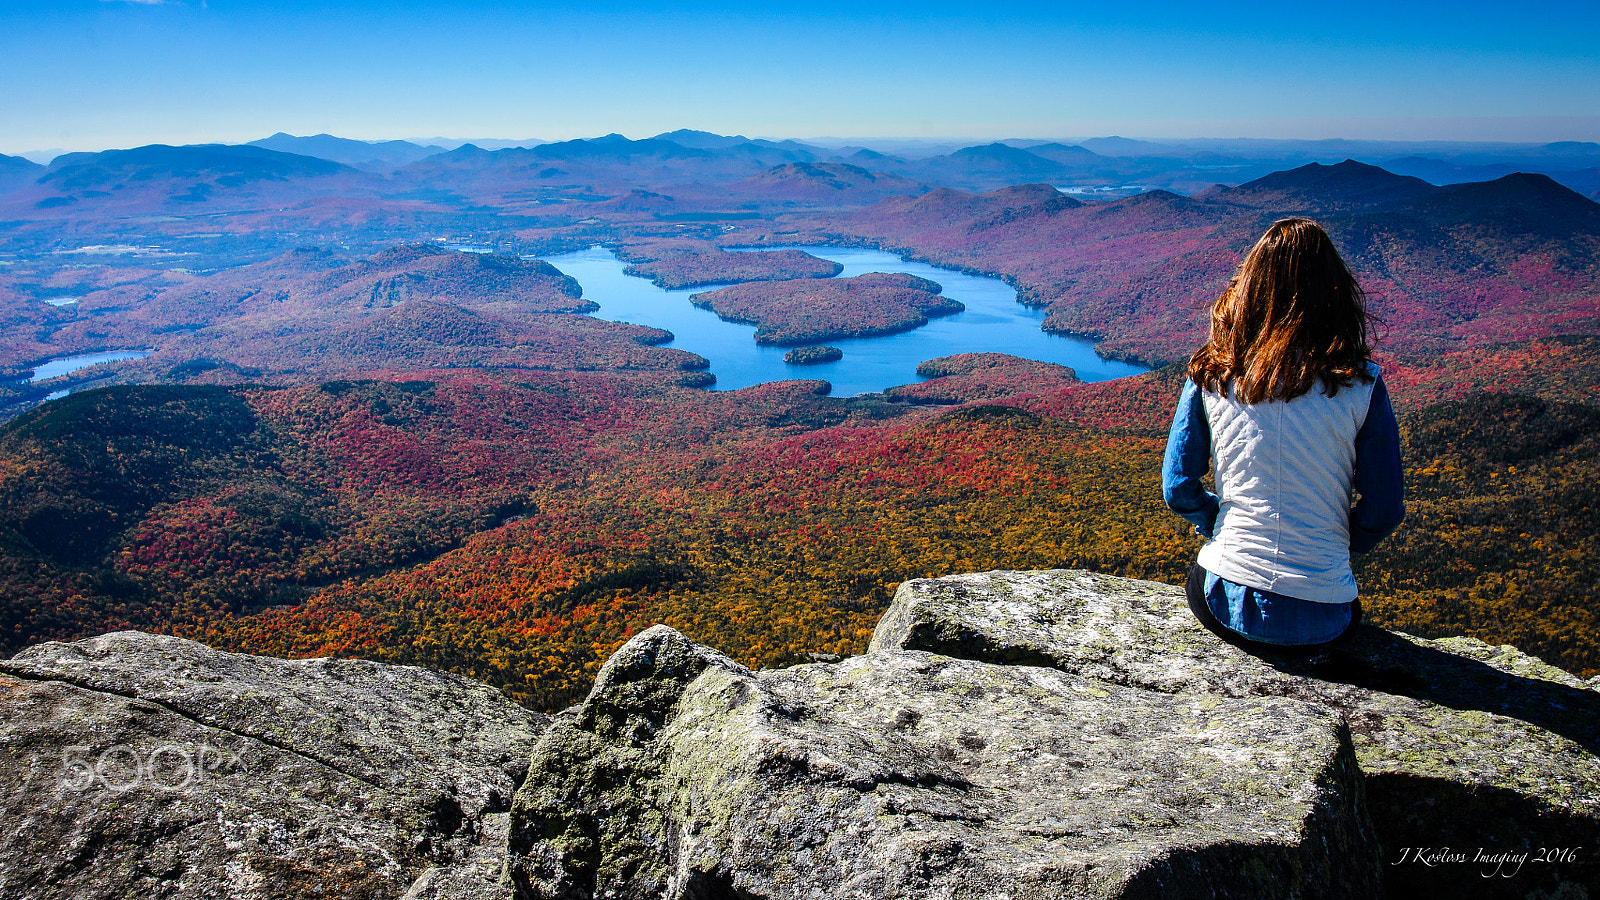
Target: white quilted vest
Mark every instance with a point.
(1284, 473)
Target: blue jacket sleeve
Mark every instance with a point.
(1187, 460)
(1378, 477)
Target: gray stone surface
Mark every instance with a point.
(135, 765)
(1027, 735)
(909, 774)
(475, 877)
(1462, 745)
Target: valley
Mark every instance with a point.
(351, 440)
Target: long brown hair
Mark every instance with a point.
(1292, 315)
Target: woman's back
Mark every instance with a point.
(1284, 405)
(1284, 474)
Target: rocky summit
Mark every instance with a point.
(1054, 734)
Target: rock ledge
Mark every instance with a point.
(1027, 735)
(1059, 734)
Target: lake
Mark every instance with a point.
(58, 367)
(994, 322)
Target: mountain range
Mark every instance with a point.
(1447, 267)
(352, 439)
(1103, 163)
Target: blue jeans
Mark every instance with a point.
(1241, 614)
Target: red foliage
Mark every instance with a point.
(1448, 268)
(970, 377)
(685, 270)
(810, 310)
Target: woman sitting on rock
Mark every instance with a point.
(1285, 404)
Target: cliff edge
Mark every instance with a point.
(1062, 734)
(1053, 734)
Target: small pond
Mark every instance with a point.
(55, 368)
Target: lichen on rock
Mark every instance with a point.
(1022, 735)
(909, 774)
(1460, 744)
(137, 765)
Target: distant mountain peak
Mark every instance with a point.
(614, 146)
(1572, 147)
(1023, 194)
(162, 168)
(1537, 203)
(995, 151)
(999, 161)
(1536, 181)
(374, 155)
(702, 140)
(816, 170)
(1116, 145)
(1318, 188)
(18, 164)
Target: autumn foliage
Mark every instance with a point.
(1448, 268)
(518, 527)
(686, 270)
(449, 465)
(809, 310)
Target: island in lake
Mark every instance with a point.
(810, 356)
(686, 270)
(806, 310)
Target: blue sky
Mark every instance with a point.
(91, 74)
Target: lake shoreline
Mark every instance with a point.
(994, 321)
(66, 365)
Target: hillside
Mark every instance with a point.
(163, 177)
(1318, 191)
(310, 314)
(516, 527)
(16, 171)
(821, 184)
(1447, 267)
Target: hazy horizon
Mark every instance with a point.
(931, 145)
(123, 73)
